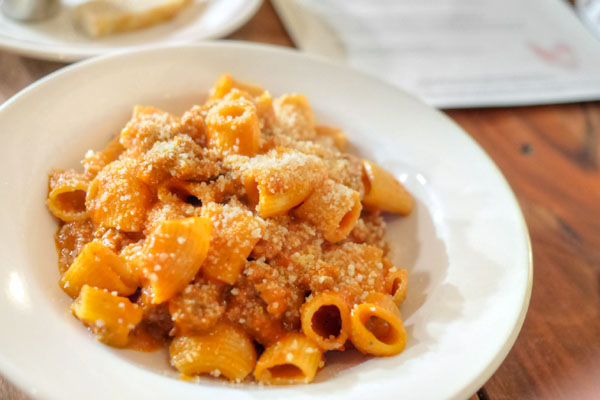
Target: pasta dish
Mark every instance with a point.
(240, 235)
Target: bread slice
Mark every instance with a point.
(104, 17)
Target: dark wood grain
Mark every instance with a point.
(10, 392)
(17, 72)
(265, 27)
(550, 155)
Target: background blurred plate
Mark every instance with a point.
(58, 39)
(466, 246)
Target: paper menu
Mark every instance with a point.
(456, 53)
(589, 13)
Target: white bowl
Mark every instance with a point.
(466, 247)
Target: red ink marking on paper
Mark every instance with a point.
(559, 54)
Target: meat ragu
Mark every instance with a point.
(240, 224)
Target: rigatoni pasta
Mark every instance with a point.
(333, 209)
(223, 350)
(383, 191)
(377, 326)
(396, 283)
(239, 235)
(116, 198)
(235, 233)
(99, 266)
(326, 320)
(232, 127)
(173, 254)
(291, 359)
(109, 316)
(66, 197)
(280, 179)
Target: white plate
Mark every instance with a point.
(58, 39)
(466, 247)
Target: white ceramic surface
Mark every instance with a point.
(58, 39)
(466, 247)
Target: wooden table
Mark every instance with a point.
(551, 158)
